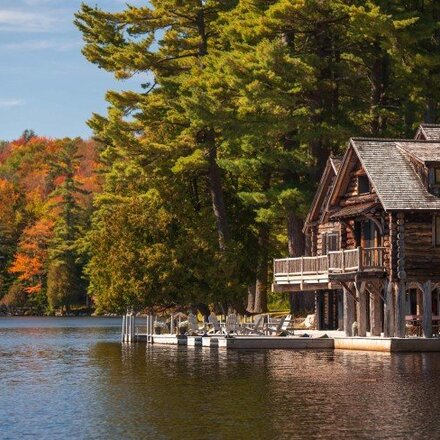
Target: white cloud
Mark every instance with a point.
(15, 20)
(6, 103)
(34, 45)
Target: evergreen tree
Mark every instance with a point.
(64, 283)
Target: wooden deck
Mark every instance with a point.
(310, 273)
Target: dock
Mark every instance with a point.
(303, 340)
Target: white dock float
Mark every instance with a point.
(168, 339)
(302, 343)
(211, 341)
(387, 344)
(276, 343)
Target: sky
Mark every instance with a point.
(45, 82)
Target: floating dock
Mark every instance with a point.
(298, 343)
(301, 340)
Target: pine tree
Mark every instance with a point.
(64, 283)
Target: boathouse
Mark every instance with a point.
(373, 239)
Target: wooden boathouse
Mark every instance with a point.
(373, 239)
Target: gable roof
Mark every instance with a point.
(429, 132)
(396, 182)
(330, 171)
(427, 152)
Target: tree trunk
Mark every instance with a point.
(379, 88)
(217, 197)
(206, 136)
(295, 236)
(260, 305)
(251, 298)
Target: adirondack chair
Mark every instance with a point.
(193, 326)
(213, 322)
(232, 324)
(282, 326)
(257, 328)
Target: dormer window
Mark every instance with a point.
(363, 184)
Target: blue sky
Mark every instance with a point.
(45, 82)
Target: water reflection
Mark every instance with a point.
(78, 381)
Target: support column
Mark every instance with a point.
(318, 310)
(340, 299)
(349, 312)
(361, 308)
(400, 292)
(375, 313)
(331, 310)
(427, 310)
(388, 328)
(419, 301)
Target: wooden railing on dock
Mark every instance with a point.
(318, 269)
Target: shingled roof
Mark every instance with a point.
(397, 184)
(429, 132)
(423, 151)
(355, 209)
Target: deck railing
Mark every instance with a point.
(318, 269)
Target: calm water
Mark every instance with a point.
(71, 378)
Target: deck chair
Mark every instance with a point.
(215, 325)
(282, 326)
(193, 326)
(231, 325)
(257, 328)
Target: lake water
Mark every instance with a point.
(63, 378)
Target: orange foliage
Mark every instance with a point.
(30, 259)
(27, 201)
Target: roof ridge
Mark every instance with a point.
(429, 125)
(424, 141)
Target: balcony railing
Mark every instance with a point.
(319, 269)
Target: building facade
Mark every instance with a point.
(373, 239)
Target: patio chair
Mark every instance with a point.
(282, 326)
(232, 324)
(193, 326)
(257, 328)
(213, 322)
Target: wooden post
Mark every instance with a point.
(172, 324)
(318, 310)
(340, 301)
(375, 313)
(127, 316)
(400, 292)
(419, 300)
(331, 310)
(133, 328)
(388, 310)
(361, 307)
(427, 310)
(349, 312)
(123, 329)
(360, 265)
(343, 261)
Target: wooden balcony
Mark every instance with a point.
(310, 272)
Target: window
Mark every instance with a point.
(436, 231)
(363, 184)
(437, 176)
(330, 242)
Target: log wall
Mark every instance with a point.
(422, 258)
